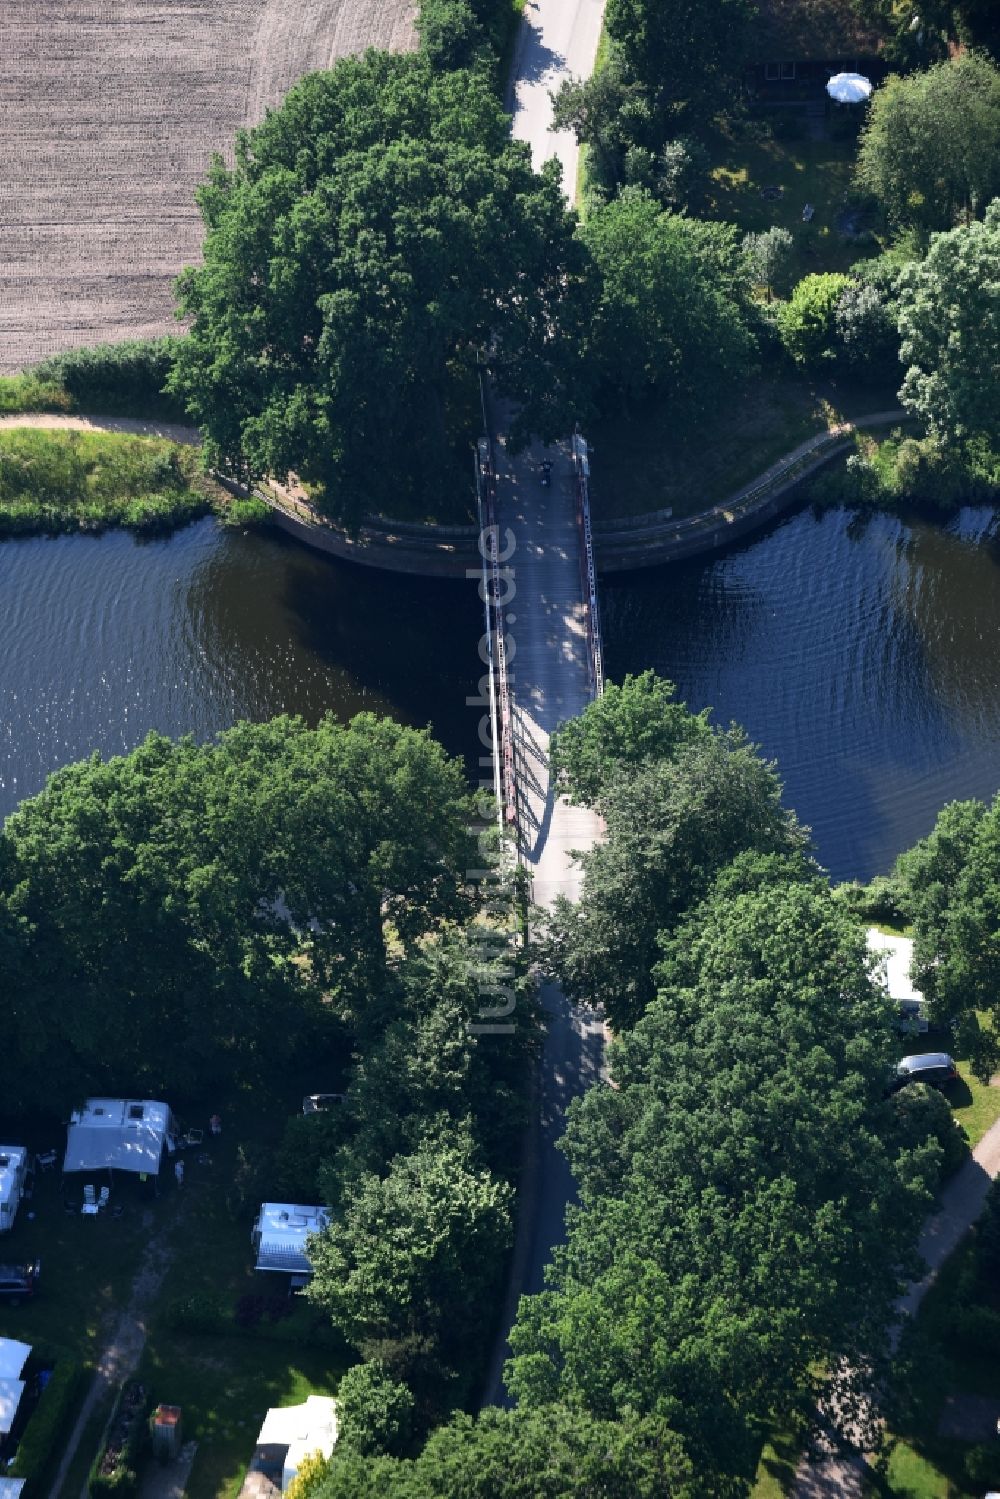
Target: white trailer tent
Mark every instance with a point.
(13, 1357)
(897, 957)
(120, 1134)
(292, 1433)
(13, 1170)
(280, 1234)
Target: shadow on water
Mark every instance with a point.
(103, 640)
(863, 656)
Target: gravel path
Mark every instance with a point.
(174, 431)
(121, 1354)
(842, 1477)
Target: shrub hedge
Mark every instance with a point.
(44, 1436)
(108, 378)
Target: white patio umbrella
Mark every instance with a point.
(849, 88)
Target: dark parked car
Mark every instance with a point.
(18, 1282)
(320, 1103)
(933, 1067)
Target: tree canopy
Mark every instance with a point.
(667, 321)
(155, 909)
(671, 826)
(746, 1210)
(949, 324)
(951, 887)
(930, 150)
(630, 726)
(374, 235)
(555, 1453)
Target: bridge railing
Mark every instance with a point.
(501, 716)
(581, 466)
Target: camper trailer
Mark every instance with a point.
(280, 1234)
(13, 1175)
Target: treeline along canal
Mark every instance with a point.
(862, 654)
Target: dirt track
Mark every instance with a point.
(110, 111)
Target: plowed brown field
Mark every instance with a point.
(109, 115)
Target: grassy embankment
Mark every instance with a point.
(642, 462)
(86, 481)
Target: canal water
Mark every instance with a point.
(864, 656)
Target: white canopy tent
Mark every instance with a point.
(13, 1170)
(849, 88)
(10, 1488)
(119, 1134)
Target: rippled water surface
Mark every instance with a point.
(864, 656)
(104, 639)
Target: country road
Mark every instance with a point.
(551, 681)
(557, 40)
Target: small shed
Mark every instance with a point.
(120, 1134)
(896, 954)
(290, 1434)
(280, 1234)
(13, 1171)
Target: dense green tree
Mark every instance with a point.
(556, 1453)
(671, 826)
(952, 884)
(866, 318)
(768, 257)
(687, 55)
(930, 150)
(949, 324)
(187, 907)
(374, 234)
(744, 1222)
(375, 1411)
(807, 321)
(430, 1061)
(630, 726)
(410, 1263)
(666, 321)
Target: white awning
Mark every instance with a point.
(11, 1391)
(13, 1357)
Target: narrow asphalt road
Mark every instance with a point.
(557, 40)
(551, 680)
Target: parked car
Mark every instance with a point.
(18, 1282)
(319, 1103)
(934, 1067)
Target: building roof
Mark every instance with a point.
(13, 1357)
(12, 1163)
(280, 1233)
(297, 1431)
(10, 1488)
(806, 30)
(123, 1134)
(898, 955)
(11, 1391)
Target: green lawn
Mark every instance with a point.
(225, 1378)
(642, 462)
(975, 1105)
(748, 175)
(73, 481)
